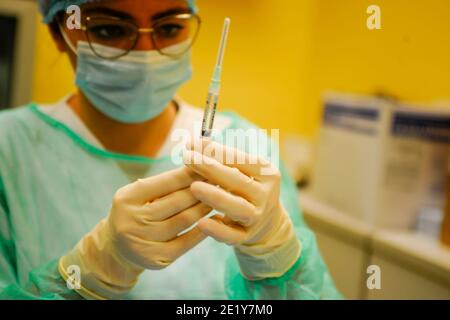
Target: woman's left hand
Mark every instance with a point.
(246, 189)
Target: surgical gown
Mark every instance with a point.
(55, 186)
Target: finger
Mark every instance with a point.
(236, 208)
(184, 220)
(180, 245)
(250, 164)
(163, 231)
(228, 178)
(167, 206)
(144, 190)
(217, 229)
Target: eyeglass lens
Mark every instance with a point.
(171, 36)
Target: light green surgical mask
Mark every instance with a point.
(134, 88)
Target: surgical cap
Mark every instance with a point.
(49, 8)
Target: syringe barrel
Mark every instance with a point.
(210, 112)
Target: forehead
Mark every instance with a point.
(136, 9)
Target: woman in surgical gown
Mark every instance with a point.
(61, 167)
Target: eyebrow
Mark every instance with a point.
(103, 11)
(170, 12)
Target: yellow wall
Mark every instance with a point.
(409, 57)
(283, 54)
(53, 76)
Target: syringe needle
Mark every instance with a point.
(214, 88)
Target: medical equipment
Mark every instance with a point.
(143, 81)
(261, 233)
(135, 237)
(445, 233)
(86, 185)
(50, 8)
(388, 161)
(214, 87)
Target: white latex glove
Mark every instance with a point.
(255, 222)
(139, 233)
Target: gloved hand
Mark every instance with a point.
(139, 233)
(246, 190)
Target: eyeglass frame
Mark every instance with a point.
(140, 31)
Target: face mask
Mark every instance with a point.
(134, 88)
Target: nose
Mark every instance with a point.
(144, 42)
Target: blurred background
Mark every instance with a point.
(364, 119)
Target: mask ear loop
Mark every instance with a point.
(67, 40)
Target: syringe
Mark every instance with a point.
(214, 87)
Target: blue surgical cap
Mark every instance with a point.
(49, 8)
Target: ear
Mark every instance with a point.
(57, 37)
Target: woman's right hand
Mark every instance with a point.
(141, 232)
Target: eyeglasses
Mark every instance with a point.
(172, 35)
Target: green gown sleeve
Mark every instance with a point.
(308, 279)
(43, 283)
